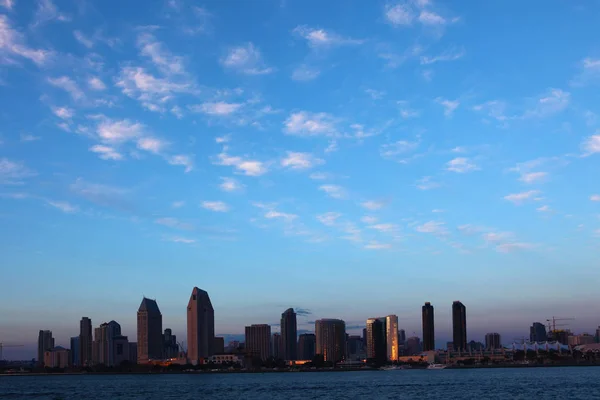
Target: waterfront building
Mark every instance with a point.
(45, 343)
(306, 346)
(492, 341)
(219, 346)
(289, 335)
(85, 342)
(149, 331)
(277, 346)
(200, 326)
(258, 341)
(75, 359)
(428, 327)
(133, 353)
(170, 346)
(376, 340)
(537, 332)
(401, 337)
(413, 346)
(58, 357)
(459, 326)
(578, 340)
(331, 339)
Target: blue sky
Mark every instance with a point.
(353, 158)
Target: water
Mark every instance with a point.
(522, 383)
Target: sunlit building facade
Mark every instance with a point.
(331, 339)
(391, 326)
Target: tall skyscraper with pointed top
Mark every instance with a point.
(289, 335)
(428, 328)
(200, 326)
(149, 331)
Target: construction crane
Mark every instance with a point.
(552, 323)
(2, 346)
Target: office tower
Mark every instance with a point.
(219, 347)
(401, 336)
(100, 345)
(331, 339)
(428, 327)
(75, 359)
(277, 344)
(492, 341)
(459, 326)
(258, 341)
(475, 346)
(149, 331)
(561, 336)
(289, 335)
(413, 346)
(537, 332)
(307, 343)
(45, 343)
(170, 346)
(85, 342)
(113, 330)
(120, 350)
(58, 357)
(598, 335)
(354, 345)
(200, 326)
(376, 339)
(364, 337)
(133, 354)
(391, 326)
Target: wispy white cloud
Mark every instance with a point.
(274, 214)
(160, 56)
(434, 227)
(494, 109)
(505, 242)
(219, 108)
(549, 103)
(13, 172)
(178, 204)
(519, 198)
(246, 59)
(375, 94)
(217, 206)
(305, 73)
(450, 55)
(120, 131)
(63, 206)
(372, 205)
(8, 4)
(47, 11)
(406, 12)
(544, 208)
(332, 146)
(375, 245)
(385, 228)
(304, 123)
(449, 105)
(63, 112)
(12, 43)
(589, 72)
(595, 197)
(533, 177)
(329, 218)
(243, 165)
(230, 185)
(81, 38)
(401, 14)
(461, 165)
(335, 191)
(591, 145)
(68, 85)
(106, 152)
(320, 176)
(322, 38)
(182, 159)
(297, 160)
(27, 137)
(152, 144)
(96, 83)
(174, 223)
(179, 239)
(392, 150)
(369, 219)
(426, 183)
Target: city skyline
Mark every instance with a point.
(420, 143)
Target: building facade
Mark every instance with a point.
(537, 332)
(289, 335)
(75, 360)
(219, 346)
(493, 341)
(391, 326)
(376, 340)
(413, 346)
(170, 346)
(45, 343)
(428, 327)
(85, 342)
(133, 354)
(200, 326)
(459, 326)
(258, 341)
(331, 339)
(120, 350)
(307, 343)
(277, 347)
(58, 357)
(401, 337)
(149, 331)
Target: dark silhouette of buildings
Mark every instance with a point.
(376, 340)
(401, 337)
(277, 343)
(428, 327)
(289, 335)
(85, 341)
(45, 343)
(307, 346)
(258, 341)
(354, 345)
(331, 339)
(219, 347)
(149, 331)
(413, 346)
(170, 346)
(492, 341)
(75, 360)
(537, 332)
(459, 326)
(200, 326)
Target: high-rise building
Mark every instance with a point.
(598, 335)
(133, 354)
(170, 346)
(492, 341)
(401, 336)
(149, 331)
(58, 357)
(45, 343)
(120, 350)
(75, 348)
(413, 346)
(391, 326)
(331, 339)
(258, 341)
(537, 332)
(428, 327)
(100, 345)
(459, 326)
(354, 346)
(277, 344)
(85, 342)
(200, 326)
(219, 347)
(376, 340)
(364, 338)
(289, 335)
(306, 346)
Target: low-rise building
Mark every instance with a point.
(58, 357)
(227, 358)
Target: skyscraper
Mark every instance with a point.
(428, 327)
(85, 342)
(391, 326)
(306, 346)
(75, 349)
(45, 343)
(537, 332)
(200, 326)
(376, 339)
(413, 346)
(331, 339)
(401, 336)
(277, 343)
(149, 331)
(492, 341)
(289, 335)
(170, 346)
(598, 335)
(219, 347)
(459, 326)
(258, 341)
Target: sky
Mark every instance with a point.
(350, 159)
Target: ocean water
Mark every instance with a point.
(516, 383)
